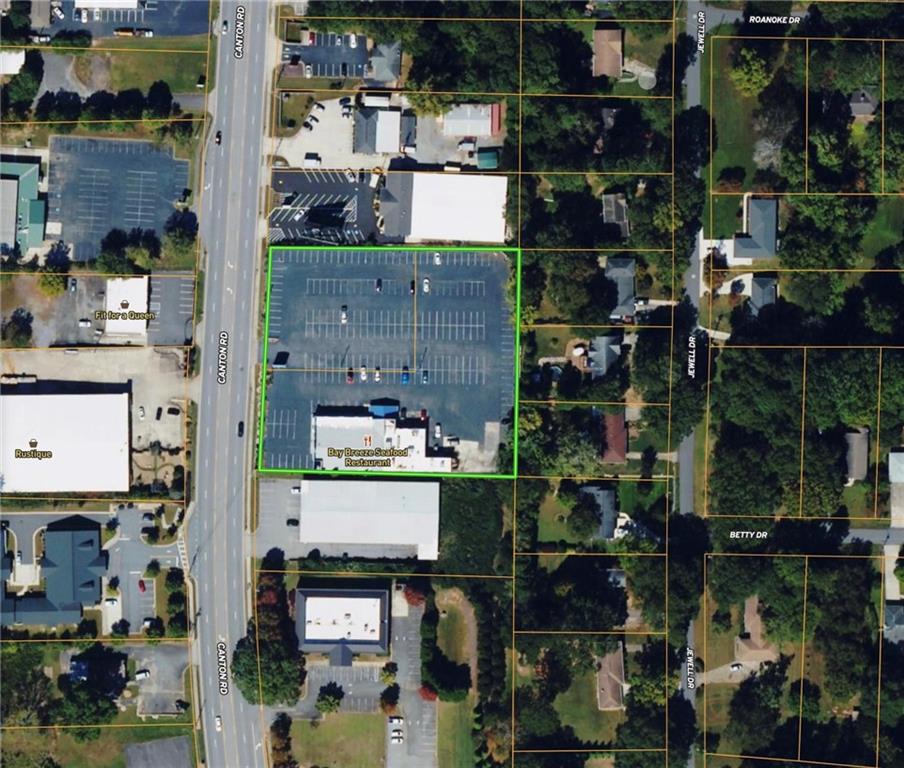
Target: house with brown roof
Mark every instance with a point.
(610, 680)
(615, 438)
(751, 644)
(608, 51)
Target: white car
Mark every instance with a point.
(352, 41)
(396, 720)
(218, 722)
(141, 413)
(437, 258)
(111, 601)
(377, 379)
(296, 490)
(225, 26)
(343, 314)
(438, 431)
(396, 731)
(363, 373)
(142, 674)
(396, 740)
(736, 667)
(426, 285)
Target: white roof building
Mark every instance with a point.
(55, 443)
(368, 442)
(11, 61)
(125, 312)
(126, 5)
(343, 618)
(370, 518)
(477, 120)
(896, 466)
(389, 128)
(445, 207)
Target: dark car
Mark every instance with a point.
(411, 287)
(173, 411)
(218, 139)
(141, 587)
(292, 522)
(378, 285)
(349, 376)
(281, 359)
(241, 428)
(159, 414)
(425, 376)
(406, 376)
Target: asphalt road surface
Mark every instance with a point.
(229, 229)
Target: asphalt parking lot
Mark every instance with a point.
(459, 333)
(330, 55)
(167, 662)
(172, 300)
(322, 207)
(164, 17)
(96, 185)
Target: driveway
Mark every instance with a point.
(129, 557)
(167, 663)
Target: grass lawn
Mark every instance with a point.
(104, 752)
(552, 523)
(719, 318)
(858, 499)
(718, 697)
(342, 740)
(140, 69)
(885, 228)
(726, 216)
(630, 498)
(180, 43)
(451, 634)
(577, 707)
(293, 110)
(455, 747)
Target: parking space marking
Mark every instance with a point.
(92, 199)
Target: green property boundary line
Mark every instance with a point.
(377, 473)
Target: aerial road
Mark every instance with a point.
(219, 560)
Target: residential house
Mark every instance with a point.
(857, 454)
(603, 353)
(385, 64)
(751, 644)
(763, 292)
(608, 51)
(759, 240)
(610, 680)
(894, 622)
(615, 438)
(863, 105)
(615, 211)
(622, 271)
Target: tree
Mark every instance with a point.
(52, 281)
(159, 103)
(175, 580)
(19, 93)
(16, 330)
(329, 698)
(152, 569)
(755, 708)
(749, 72)
(281, 742)
(81, 705)
(25, 691)
(389, 698)
(388, 673)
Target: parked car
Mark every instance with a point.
(345, 101)
(142, 674)
(396, 731)
(73, 284)
(343, 314)
(396, 740)
(406, 376)
(141, 413)
(377, 375)
(308, 70)
(225, 26)
(58, 12)
(396, 720)
(241, 430)
(437, 431)
(411, 287)
(363, 373)
(292, 522)
(111, 601)
(425, 376)
(141, 586)
(148, 517)
(173, 411)
(426, 285)
(437, 258)
(19, 557)
(296, 490)
(350, 177)
(281, 359)
(347, 112)
(218, 139)
(349, 376)
(378, 285)
(736, 666)
(159, 414)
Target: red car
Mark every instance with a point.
(350, 376)
(141, 585)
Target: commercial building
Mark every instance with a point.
(444, 207)
(125, 313)
(474, 120)
(71, 571)
(370, 518)
(64, 437)
(125, 5)
(377, 131)
(342, 622)
(23, 213)
(375, 437)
